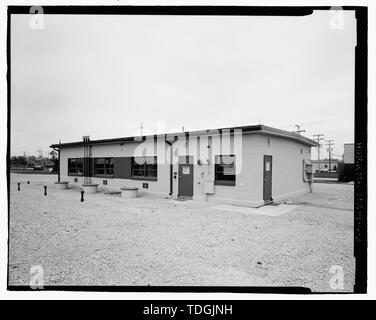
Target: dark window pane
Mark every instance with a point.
(225, 169)
(144, 167)
(138, 173)
(100, 171)
(75, 166)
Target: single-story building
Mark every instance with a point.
(248, 165)
(324, 164)
(347, 167)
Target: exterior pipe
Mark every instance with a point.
(58, 164)
(171, 167)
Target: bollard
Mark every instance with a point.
(45, 190)
(82, 195)
(28, 182)
(18, 183)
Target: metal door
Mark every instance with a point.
(268, 170)
(185, 179)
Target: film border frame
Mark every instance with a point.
(360, 143)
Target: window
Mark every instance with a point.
(103, 166)
(144, 168)
(76, 166)
(225, 173)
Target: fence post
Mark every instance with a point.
(82, 195)
(45, 190)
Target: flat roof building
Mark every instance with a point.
(248, 165)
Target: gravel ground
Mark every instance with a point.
(108, 240)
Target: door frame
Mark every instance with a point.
(265, 159)
(188, 162)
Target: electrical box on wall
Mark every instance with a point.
(145, 185)
(209, 186)
(75, 180)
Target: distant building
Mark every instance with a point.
(346, 169)
(323, 165)
(44, 163)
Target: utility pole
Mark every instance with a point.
(318, 138)
(330, 144)
(298, 131)
(26, 159)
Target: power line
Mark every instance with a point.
(330, 144)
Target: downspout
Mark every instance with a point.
(58, 164)
(171, 167)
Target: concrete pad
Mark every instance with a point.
(272, 211)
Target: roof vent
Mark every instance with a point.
(86, 138)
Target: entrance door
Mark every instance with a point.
(185, 178)
(268, 169)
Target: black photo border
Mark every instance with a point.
(361, 121)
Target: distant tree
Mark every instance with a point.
(18, 161)
(40, 154)
(54, 158)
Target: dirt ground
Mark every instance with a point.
(108, 240)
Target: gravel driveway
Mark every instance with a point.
(108, 240)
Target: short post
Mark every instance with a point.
(28, 182)
(45, 190)
(18, 184)
(82, 195)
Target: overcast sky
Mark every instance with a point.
(103, 75)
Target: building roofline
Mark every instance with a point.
(261, 129)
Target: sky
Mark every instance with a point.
(103, 75)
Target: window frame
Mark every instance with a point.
(221, 182)
(106, 167)
(76, 173)
(145, 169)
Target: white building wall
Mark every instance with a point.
(161, 187)
(287, 166)
(287, 176)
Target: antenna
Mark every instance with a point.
(298, 131)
